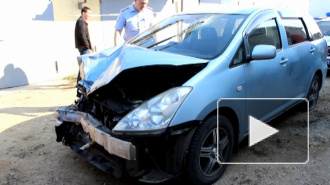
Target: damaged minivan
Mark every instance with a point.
(149, 109)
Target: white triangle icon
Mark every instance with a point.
(259, 131)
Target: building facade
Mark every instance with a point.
(37, 37)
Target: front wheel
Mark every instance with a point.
(202, 165)
(313, 93)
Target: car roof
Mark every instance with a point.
(223, 10)
(324, 20)
(289, 13)
(245, 11)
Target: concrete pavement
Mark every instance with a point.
(33, 86)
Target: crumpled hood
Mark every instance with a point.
(98, 69)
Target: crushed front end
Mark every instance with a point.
(100, 126)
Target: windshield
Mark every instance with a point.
(203, 36)
(325, 27)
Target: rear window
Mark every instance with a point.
(325, 27)
(295, 31)
(313, 28)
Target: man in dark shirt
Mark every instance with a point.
(82, 39)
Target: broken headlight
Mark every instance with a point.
(153, 115)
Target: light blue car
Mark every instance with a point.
(150, 107)
(324, 25)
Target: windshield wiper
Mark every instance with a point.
(161, 41)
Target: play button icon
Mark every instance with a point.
(259, 131)
(286, 143)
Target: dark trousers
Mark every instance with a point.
(82, 51)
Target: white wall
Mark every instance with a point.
(32, 47)
(29, 48)
(35, 46)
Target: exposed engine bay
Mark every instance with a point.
(106, 106)
(131, 88)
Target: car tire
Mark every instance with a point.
(201, 164)
(313, 92)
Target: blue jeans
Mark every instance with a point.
(83, 51)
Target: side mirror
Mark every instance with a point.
(263, 52)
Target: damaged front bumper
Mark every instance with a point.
(96, 131)
(149, 159)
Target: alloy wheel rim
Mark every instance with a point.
(313, 94)
(208, 162)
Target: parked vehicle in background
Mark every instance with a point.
(324, 25)
(149, 108)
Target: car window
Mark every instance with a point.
(295, 31)
(314, 29)
(266, 33)
(239, 56)
(325, 27)
(203, 36)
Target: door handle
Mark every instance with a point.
(284, 61)
(312, 50)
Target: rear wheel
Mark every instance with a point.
(202, 164)
(313, 93)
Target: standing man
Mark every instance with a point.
(81, 33)
(135, 19)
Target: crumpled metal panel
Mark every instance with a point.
(98, 69)
(93, 127)
(113, 145)
(69, 115)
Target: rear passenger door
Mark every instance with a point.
(300, 53)
(266, 78)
